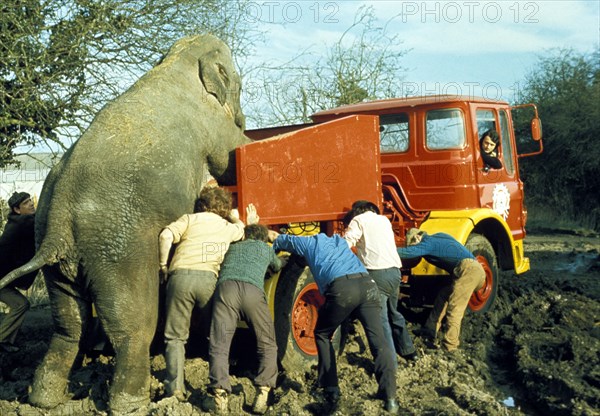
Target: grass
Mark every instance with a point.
(543, 218)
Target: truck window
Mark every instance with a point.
(507, 153)
(394, 133)
(485, 121)
(445, 129)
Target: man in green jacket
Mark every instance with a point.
(239, 295)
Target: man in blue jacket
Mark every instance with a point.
(349, 292)
(444, 251)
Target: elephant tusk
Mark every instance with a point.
(228, 110)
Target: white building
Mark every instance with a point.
(29, 176)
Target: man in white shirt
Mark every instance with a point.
(373, 237)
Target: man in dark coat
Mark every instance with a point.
(17, 247)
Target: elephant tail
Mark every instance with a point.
(33, 265)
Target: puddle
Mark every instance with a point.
(581, 263)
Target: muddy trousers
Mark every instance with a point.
(186, 289)
(453, 299)
(235, 300)
(12, 321)
(394, 324)
(356, 298)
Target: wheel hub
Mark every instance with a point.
(480, 297)
(304, 318)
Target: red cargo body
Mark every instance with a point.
(312, 174)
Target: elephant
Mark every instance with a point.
(139, 166)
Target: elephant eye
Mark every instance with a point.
(223, 73)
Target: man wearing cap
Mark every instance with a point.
(444, 251)
(17, 247)
(372, 235)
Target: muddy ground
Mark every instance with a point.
(536, 353)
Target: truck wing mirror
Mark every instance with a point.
(536, 129)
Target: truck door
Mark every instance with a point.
(500, 189)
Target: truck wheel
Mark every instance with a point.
(297, 300)
(482, 300)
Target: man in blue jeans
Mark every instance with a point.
(349, 292)
(372, 235)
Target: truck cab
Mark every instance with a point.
(431, 159)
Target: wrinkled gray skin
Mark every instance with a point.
(139, 166)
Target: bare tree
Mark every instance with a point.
(364, 64)
(61, 60)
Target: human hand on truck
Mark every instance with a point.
(251, 214)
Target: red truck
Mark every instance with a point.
(419, 160)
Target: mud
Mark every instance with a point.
(536, 353)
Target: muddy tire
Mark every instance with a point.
(483, 300)
(297, 300)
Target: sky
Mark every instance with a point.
(468, 47)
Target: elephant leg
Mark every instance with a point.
(129, 318)
(130, 389)
(70, 313)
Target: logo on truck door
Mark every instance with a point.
(501, 200)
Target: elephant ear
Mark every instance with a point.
(214, 76)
